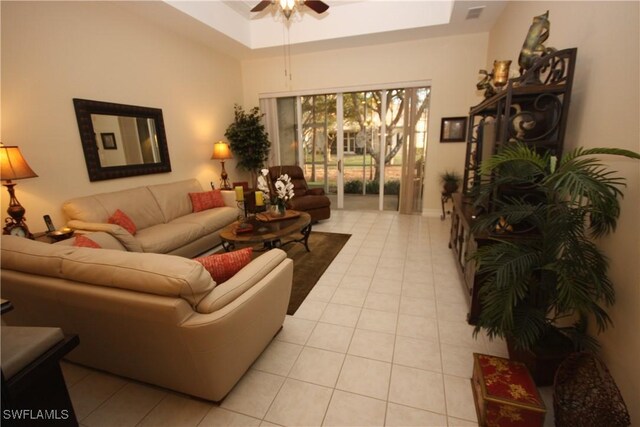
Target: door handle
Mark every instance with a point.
(340, 166)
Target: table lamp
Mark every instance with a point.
(14, 166)
(221, 152)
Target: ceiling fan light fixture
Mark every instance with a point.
(287, 7)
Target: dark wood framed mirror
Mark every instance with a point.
(121, 140)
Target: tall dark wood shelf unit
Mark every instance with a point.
(532, 109)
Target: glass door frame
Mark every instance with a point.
(339, 92)
(340, 148)
(382, 145)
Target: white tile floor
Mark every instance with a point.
(381, 340)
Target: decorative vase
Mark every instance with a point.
(278, 208)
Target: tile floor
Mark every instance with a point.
(381, 340)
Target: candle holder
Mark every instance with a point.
(243, 207)
(244, 226)
(249, 202)
(501, 73)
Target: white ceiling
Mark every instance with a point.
(230, 26)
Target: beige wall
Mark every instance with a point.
(604, 112)
(450, 63)
(55, 51)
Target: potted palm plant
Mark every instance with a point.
(544, 282)
(248, 140)
(450, 181)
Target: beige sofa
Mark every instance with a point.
(162, 214)
(156, 318)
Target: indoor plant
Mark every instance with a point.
(248, 140)
(551, 277)
(450, 181)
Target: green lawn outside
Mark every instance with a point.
(349, 160)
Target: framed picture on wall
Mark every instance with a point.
(453, 129)
(109, 141)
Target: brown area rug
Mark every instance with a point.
(309, 266)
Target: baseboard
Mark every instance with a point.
(432, 212)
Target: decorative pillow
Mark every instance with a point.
(85, 242)
(206, 200)
(122, 219)
(223, 266)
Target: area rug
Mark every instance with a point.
(309, 266)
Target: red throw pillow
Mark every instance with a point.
(223, 266)
(206, 200)
(120, 218)
(85, 242)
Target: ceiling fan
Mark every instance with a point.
(288, 6)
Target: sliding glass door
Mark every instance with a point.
(407, 120)
(365, 148)
(319, 155)
(361, 146)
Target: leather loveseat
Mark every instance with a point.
(310, 200)
(156, 318)
(163, 215)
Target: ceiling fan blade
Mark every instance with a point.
(261, 6)
(316, 5)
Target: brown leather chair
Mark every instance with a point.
(310, 200)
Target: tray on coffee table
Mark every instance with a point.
(270, 217)
(270, 234)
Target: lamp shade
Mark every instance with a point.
(13, 165)
(221, 151)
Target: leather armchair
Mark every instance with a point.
(310, 200)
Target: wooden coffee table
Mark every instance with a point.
(269, 233)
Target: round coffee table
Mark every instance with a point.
(269, 232)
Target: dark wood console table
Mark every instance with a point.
(540, 98)
(464, 243)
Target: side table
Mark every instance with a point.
(45, 237)
(34, 383)
(444, 199)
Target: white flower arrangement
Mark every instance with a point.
(283, 187)
(263, 185)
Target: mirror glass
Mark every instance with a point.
(121, 140)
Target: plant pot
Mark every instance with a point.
(450, 187)
(543, 360)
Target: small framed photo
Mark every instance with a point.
(109, 141)
(453, 129)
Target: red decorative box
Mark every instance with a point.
(505, 393)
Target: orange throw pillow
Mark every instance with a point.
(206, 200)
(224, 266)
(85, 242)
(122, 219)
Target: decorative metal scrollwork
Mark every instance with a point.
(539, 120)
(551, 69)
(554, 71)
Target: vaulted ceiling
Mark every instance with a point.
(230, 26)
